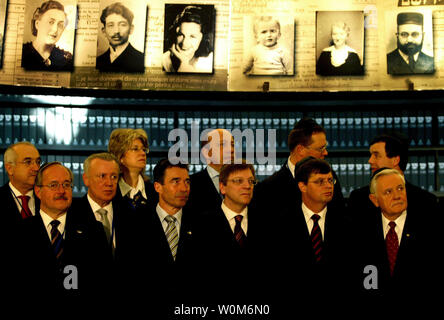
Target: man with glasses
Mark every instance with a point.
(408, 57)
(229, 236)
(59, 239)
(18, 201)
(309, 238)
(307, 139)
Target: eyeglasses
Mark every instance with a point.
(389, 192)
(240, 181)
(414, 35)
(54, 186)
(323, 182)
(137, 149)
(320, 150)
(30, 162)
(102, 177)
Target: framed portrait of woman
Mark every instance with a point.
(3, 7)
(339, 43)
(188, 45)
(49, 35)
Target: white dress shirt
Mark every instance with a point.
(230, 215)
(18, 202)
(162, 214)
(47, 223)
(125, 188)
(308, 214)
(109, 215)
(400, 222)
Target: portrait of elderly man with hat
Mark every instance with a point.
(408, 57)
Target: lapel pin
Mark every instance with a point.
(79, 231)
(189, 232)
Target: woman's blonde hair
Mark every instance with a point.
(121, 139)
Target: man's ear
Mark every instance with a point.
(157, 187)
(131, 29)
(374, 199)
(222, 188)
(302, 186)
(396, 160)
(85, 180)
(9, 169)
(37, 191)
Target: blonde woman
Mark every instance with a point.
(130, 147)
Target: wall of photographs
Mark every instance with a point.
(223, 45)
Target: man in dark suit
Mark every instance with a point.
(307, 139)
(22, 162)
(309, 240)
(66, 252)
(121, 56)
(231, 239)
(398, 241)
(390, 151)
(217, 150)
(167, 242)
(408, 58)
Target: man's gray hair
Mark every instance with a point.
(384, 172)
(103, 156)
(10, 155)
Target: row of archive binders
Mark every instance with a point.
(353, 172)
(91, 128)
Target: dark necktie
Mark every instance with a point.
(56, 239)
(26, 212)
(239, 234)
(411, 61)
(316, 238)
(392, 244)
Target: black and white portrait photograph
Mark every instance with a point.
(3, 6)
(409, 42)
(121, 36)
(339, 43)
(188, 45)
(268, 45)
(49, 35)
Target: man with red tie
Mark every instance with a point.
(398, 240)
(18, 203)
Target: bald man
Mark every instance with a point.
(217, 149)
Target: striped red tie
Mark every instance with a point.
(392, 244)
(316, 238)
(56, 239)
(26, 212)
(239, 234)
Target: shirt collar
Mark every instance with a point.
(95, 206)
(126, 189)
(115, 53)
(162, 214)
(212, 172)
(406, 57)
(291, 166)
(400, 221)
(230, 214)
(308, 213)
(47, 220)
(17, 193)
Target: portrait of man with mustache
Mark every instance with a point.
(408, 57)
